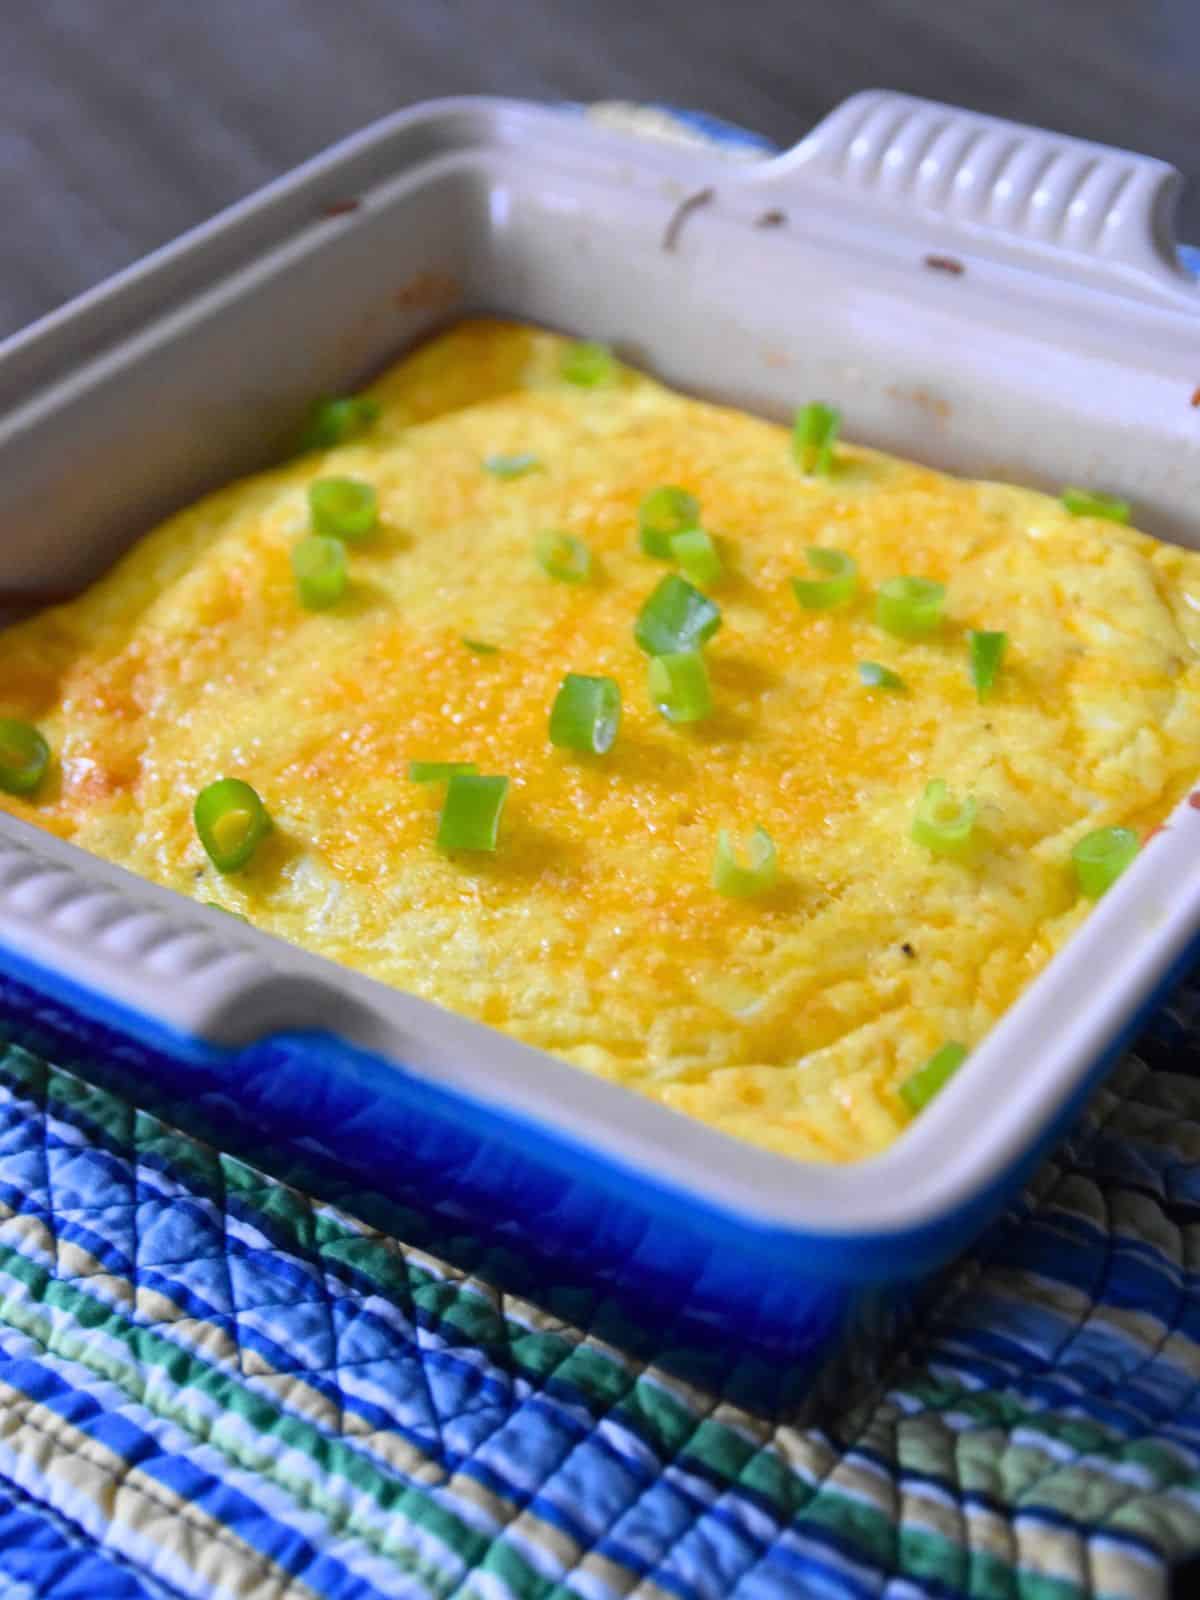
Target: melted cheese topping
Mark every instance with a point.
(593, 932)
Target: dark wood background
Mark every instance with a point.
(123, 122)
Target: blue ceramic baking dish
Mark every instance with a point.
(992, 299)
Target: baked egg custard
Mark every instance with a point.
(749, 768)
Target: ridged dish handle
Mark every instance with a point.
(1106, 214)
(181, 967)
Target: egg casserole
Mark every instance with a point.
(787, 1001)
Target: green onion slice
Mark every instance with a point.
(438, 771)
(739, 879)
(586, 714)
(696, 552)
(663, 513)
(481, 647)
(813, 435)
(343, 508)
(819, 594)
(319, 567)
(876, 676)
(942, 824)
(231, 821)
(562, 556)
(1101, 857)
(511, 466)
(676, 617)
(909, 608)
(919, 1088)
(588, 364)
(678, 685)
(335, 420)
(24, 756)
(470, 818)
(986, 654)
(1087, 503)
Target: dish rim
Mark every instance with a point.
(984, 1129)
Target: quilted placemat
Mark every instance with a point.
(213, 1385)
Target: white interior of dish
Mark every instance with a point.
(1066, 350)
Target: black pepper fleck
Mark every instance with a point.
(908, 950)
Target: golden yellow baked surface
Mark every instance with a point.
(594, 932)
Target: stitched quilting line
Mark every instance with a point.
(342, 1520)
(522, 1501)
(410, 1284)
(976, 1267)
(1101, 1449)
(218, 1196)
(666, 1461)
(544, 1378)
(632, 1374)
(73, 1530)
(566, 1353)
(1112, 1241)
(179, 1511)
(566, 1356)
(40, 1101)
(252, 1379)
(1125, 1493)
(398, 1556)
(761, 1545)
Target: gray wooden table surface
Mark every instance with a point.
(123, 122)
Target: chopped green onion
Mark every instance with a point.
(813, 435)
(438, 771)
(1087, 503)
(343, 508)
(876, 676)
(678, 685)
(24, 756)
(909, 608)
(941, 824)
(231, 821)
(987, 652)
(588, 364)
(819, 594)
(731, 877)
(335, 420)
(586, 714)
(1100, 858)
(481, 647)
(663, 513)
(470, 817)
(919, 1088)
(319, 567)
(511, 466)
(562, 556)
(696, 553)
(675, 617)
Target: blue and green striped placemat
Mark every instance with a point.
(212, 1384)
